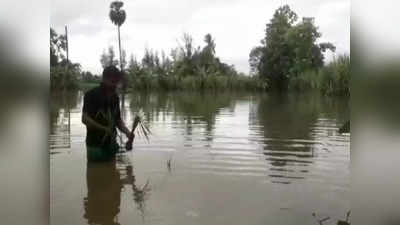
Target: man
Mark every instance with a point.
(101, 115)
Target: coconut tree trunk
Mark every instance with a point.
(123, 78)
(120, 55)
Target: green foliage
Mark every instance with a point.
(108, 58)
(58, 47)
(332, 79)
(255, 58)
(336, 75)
(278, 56)
(307, 80)
(188, 68)
(63, 73)
(211, 82)
(88, 80)
(89, 77)
(61, 78)
(288, 49)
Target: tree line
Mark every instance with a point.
(289, 57)
(63, 72)
(186, 67)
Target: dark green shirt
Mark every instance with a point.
(104, 110)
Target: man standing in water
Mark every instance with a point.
(101, 115)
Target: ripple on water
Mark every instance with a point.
(247, 140)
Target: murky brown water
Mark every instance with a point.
(235, 159)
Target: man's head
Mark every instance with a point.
(111, 77)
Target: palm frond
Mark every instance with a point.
(142, 129)
(117, 15)
(146, 135)
(145, 187)
(116, 5)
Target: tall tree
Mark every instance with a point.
(60, 77)
(288, 49)
(166, 64)
(134, 66)
(123, 59)
(207, 58)
(118, 17)
(210, 44)
(255, 58)
(148, 61)
(58, 47)
(277, 58)
(186, 54)
(108, 58)
(307, 54)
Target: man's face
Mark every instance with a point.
(112, 82)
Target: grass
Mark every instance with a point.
(332, 79)
(335, 78)
(85, 85)
(214, 82)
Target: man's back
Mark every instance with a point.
(103, 109)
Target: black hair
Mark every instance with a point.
(111, 71)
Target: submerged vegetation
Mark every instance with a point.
(339, 222)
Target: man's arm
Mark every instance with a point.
(122, 127)
(90, 109)
(88, 121)
(119, 122)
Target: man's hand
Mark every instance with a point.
(130, 135)
(122, 127)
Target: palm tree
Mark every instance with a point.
(210, 43)
(117, 17)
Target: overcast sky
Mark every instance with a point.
(236, 25)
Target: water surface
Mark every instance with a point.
(234, 159)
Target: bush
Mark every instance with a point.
(332, 79)
(60, 78)
(335, 77)
(215, 82)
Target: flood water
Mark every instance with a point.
(213, 159)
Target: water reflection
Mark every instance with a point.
(62, 103)
(293, 131)
(103, 198)
(283, 149)
(105, 183)
(193, 109)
